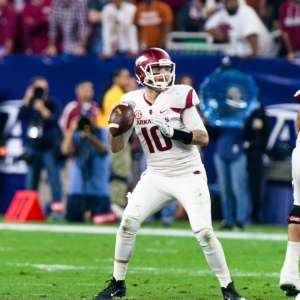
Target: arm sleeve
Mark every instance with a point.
(192, 120)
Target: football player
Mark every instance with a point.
(289, 278)
(169, 128)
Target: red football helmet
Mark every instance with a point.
(154, 57)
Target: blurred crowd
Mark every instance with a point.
(108, 27)
(75, 138)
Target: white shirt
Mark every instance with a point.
(118, 31)
(165, 156)
(244, 23)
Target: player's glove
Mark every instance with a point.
(162, 125)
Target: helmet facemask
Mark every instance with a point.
(166, 80)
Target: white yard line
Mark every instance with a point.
(142, 231)
(133, 270)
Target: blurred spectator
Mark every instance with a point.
(273, 7)
(119, 34)
(257, 133)
(132, 84)
(194, 16)
(19, 40)
(120, 81)
(8, 27)
(68, 17)
(177, 7)
(154, 21)
(259, 6)
(84, 92)
(185, 79)
(19, 5)
(35, 18)
(95, 8)
(212, 6)
(42, 145)
(121, 161)
(231, 164)
(240, 26)
(3, 135)
(89, 173)
(289, 22)
(262, 10)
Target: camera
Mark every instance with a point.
(27, 157)
(38, 93)
(84, 124)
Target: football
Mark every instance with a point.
(297, 96)
(120, 119)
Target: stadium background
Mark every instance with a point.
(278, 79)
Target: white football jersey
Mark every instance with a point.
(165, 156)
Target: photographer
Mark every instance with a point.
(40, 115)
(89, 169)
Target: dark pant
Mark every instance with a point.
(77, 205)
(255, 175)
(44, 159)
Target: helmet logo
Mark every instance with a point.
(140, 60)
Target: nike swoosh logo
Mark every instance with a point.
(162, 111)
(112, 294)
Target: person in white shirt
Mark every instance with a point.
(240, 26)
(119, 34)
(169, 128)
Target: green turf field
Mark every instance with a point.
(71, 262)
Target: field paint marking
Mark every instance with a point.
(152, 250)
(49, 267)
(142, 231)
(189, 272)
(5, 248)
